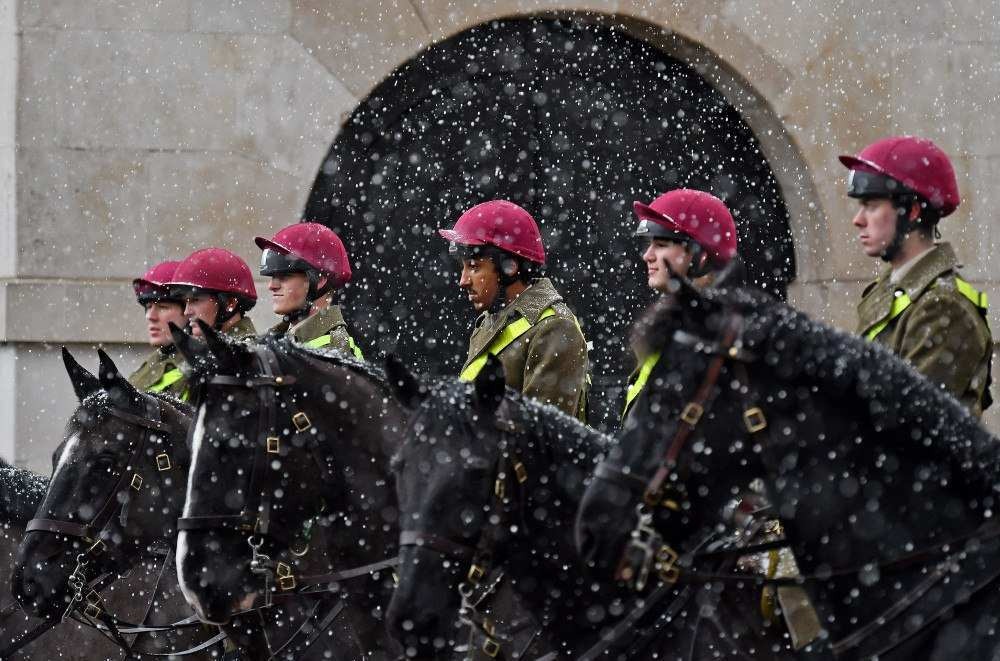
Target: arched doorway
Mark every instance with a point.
(570, 118)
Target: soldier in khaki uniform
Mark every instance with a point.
(690, 234)
(920, 307)
(161, 371)
(307, 264)
(217, 287)
(523, 319)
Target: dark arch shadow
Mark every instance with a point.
(572, 119)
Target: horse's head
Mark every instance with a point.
(485, 479)
(116, 490)
(680, 428)
(275, 442)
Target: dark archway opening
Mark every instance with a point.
(571, 119)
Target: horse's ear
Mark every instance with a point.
(122, 392)
(491, 385)
(186, 345)
(733, 274)
(403, 383)
(84, 383)
(216, 344)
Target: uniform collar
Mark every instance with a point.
(927, 269)
(898, 274)
(530, 304)
(243, 329)
(317, 324)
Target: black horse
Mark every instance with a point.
(489, 484)
(115, 492)
(291, 451)
(885, 486)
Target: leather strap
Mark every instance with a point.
(442, 545)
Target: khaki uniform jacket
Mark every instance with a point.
(244, 330)
(942, 334)
(549, 362)
(155, 367)
(328, 321)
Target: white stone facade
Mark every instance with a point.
(134, 130)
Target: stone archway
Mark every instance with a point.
(574, 119)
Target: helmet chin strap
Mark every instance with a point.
(903, 229)
(224, 314)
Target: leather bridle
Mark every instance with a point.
(255, 517)
(484, 574)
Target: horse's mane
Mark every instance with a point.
(570, 442)
(95, 406)
(895, 398)
(328, 355)
(21, 491)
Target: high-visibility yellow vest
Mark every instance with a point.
(499, 343)
(324, 340)
(640, 381)
(168, 379)
(903, 301)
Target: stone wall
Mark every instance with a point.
(131, 131)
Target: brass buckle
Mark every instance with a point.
(500, 488)
(163, 462)
(754, 419)
(93, 611)
(273, 444)
(666, 565)
(491, 647)
(93, 597)
(692, 413)
(136, 481)
(489, 627)
(301, 421)
(286, 581)
(476, 574)
(521, 472)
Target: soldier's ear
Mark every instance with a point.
(84, 383)
(491, 385)
(403, 384)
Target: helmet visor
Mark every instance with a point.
(863, 184)
(146, 293)
(649, 229)
(273, 262)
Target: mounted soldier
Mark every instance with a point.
(691, 234)
(688, 234)
(216, 287)
(308, 264)
(920, 307)
(523, 320)
(161, 370)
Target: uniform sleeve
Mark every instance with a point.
(944, 341)
(555, 371)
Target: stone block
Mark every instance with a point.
(976, 228)
(952, 95)
(109, 214)
(360, 43)
(61, 312)
(104, 14)
(260, 95)
(833, 302)
(256, 16)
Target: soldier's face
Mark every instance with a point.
(661, 252)
(288, 292)
(158, 315)
(480, 281)
(203, 307)
(876, 224)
